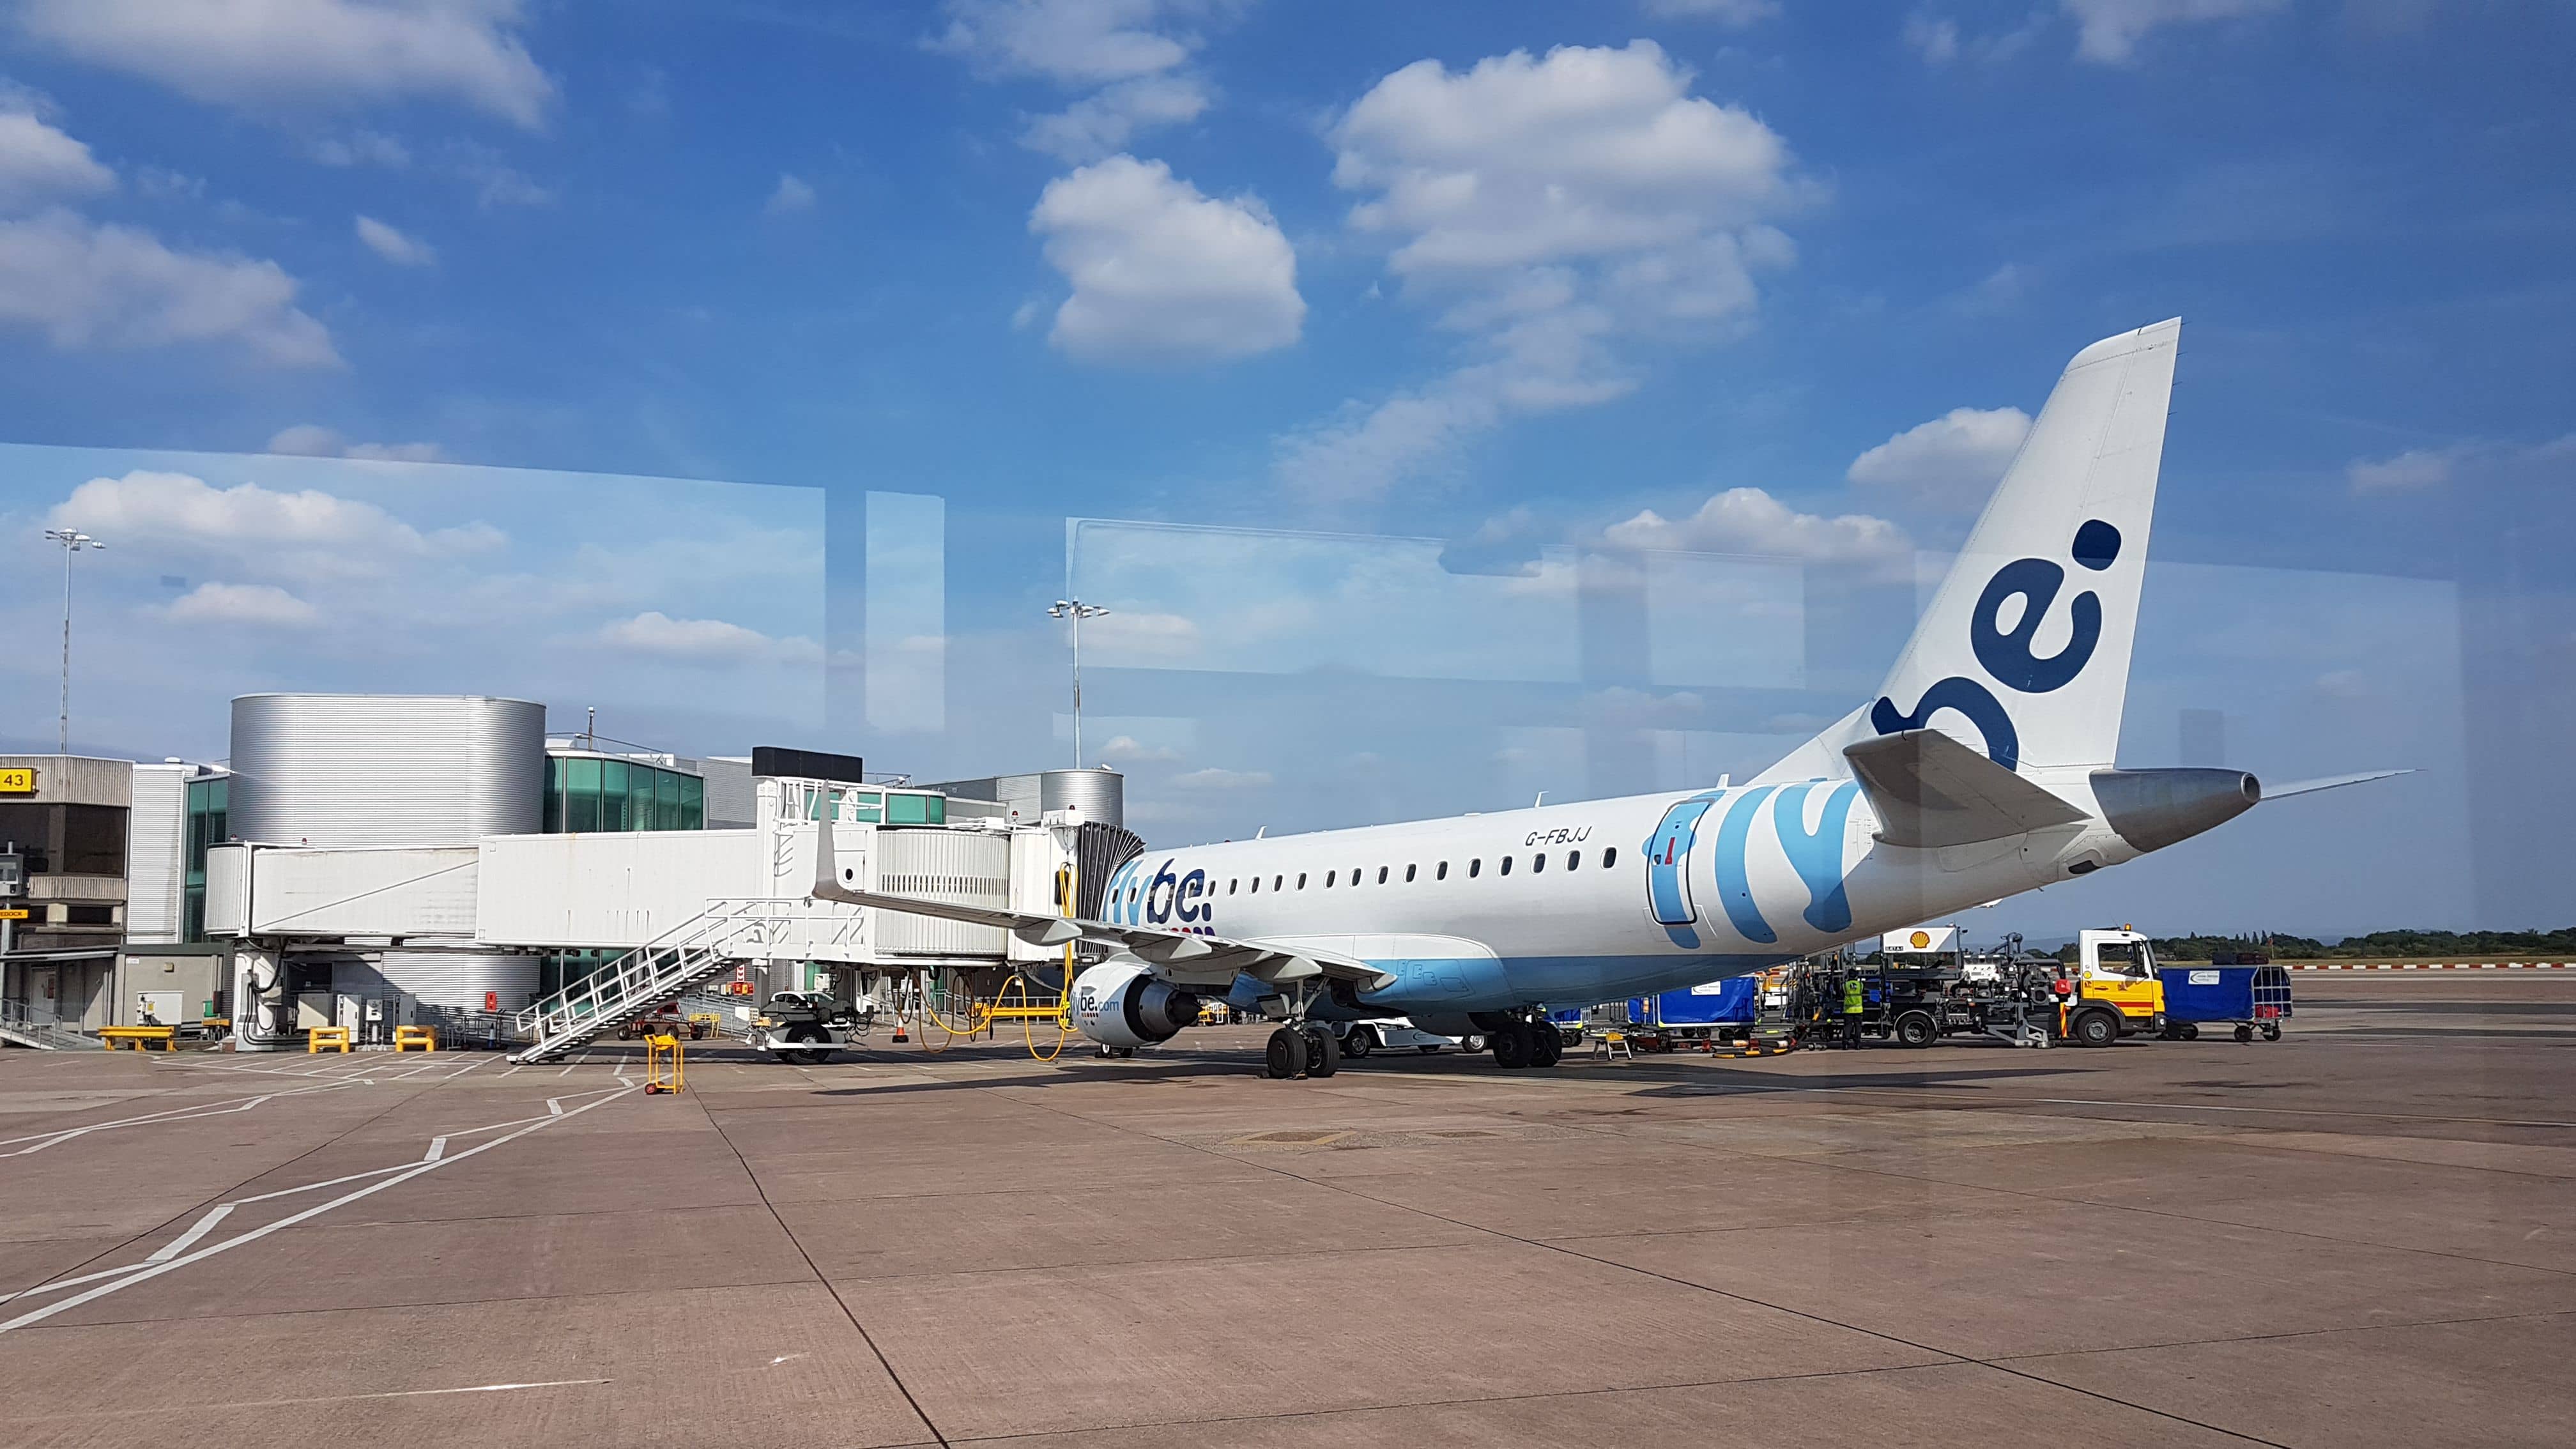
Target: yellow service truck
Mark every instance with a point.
(2114, 992)
(2109, 991)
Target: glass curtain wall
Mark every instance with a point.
(586, 793)
(209, 816)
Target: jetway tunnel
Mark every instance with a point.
(670, 911)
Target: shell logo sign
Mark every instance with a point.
(1919, 940)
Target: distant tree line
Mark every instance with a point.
(2406, 945)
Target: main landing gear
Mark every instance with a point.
(1526, 1043)
(1301, 1050)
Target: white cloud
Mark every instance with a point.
(146, 507)
(1940, 41)
(1132, 56)
(1127, 749)
(1162, 272)
(1956, 458)
(91, 286)
(362, 148)
(1078, 42)
(1553, 209)
(2108, 31)
(264, 605)
(1734, 14)
(791, 195)
(495, 182)
(1751, 521)
(2408, 472)
(1102, 124)
(39, 163)
(256, 54)
(393, 245)
(1143, 635)
(2418, 470)
(312, 440)
(706, 641)
(1213, 778)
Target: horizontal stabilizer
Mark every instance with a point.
(1931, 790)
(2328, 782)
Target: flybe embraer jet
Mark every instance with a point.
(1982, 768)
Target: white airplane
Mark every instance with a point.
(1983, 768)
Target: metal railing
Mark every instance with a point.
(695, 951)
(29, 1024)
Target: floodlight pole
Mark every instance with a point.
(73, 541)
(1075, 611)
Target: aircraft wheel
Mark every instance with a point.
(1359, 1043)
(1549, 1046)
(1323, 1054)
(1514, 1046)
(1285, 1056)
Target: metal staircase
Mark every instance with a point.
(696, 951)
(29, 1026)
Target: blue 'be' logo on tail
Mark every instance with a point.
(2006, 654)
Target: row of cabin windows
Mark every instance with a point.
(1440, 871)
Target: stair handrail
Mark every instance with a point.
(671, 961)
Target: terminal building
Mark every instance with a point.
(346, 836)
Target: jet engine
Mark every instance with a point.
(1118, 1003)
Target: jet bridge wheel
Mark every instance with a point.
(812, 1056)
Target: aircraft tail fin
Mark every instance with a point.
(2024, 652)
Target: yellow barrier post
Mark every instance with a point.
(662, 1069)
(319, 1037)
(141, 1037)
(423, 1037)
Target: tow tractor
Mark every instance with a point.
(808, 1026)
(1393, 1034)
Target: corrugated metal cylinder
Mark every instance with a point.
(392, 769)
(1092, 794)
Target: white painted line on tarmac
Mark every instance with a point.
(94, 1413)
(42, 1140)
(188, 1239)
(402, 1173)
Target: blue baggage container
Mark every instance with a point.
(2225, 993)
(1736, 999)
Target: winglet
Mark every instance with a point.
(828, 883)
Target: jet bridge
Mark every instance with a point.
(679, 908)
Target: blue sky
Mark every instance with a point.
(1719, 278)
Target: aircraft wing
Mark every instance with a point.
(1183, 958)
(1931, 790)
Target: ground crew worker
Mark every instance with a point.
(1853, 1004)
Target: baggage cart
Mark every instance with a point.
(2253, 999)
